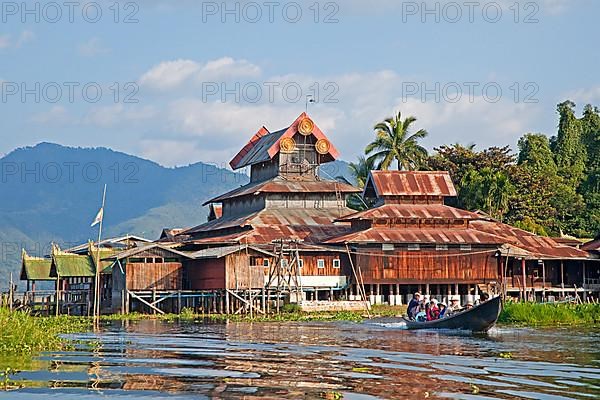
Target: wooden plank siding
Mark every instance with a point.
(240, 274)
(310, 264)
(206, 274)
(427, 265)
(158, 276)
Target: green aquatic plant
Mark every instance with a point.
(550, 314)
(21, 332)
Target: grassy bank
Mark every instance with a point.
(21, 332)
(537, 314)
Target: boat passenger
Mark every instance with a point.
(483, 297)
(469, 305)
(434, 311)
(443, 308)
(414, 306)
(454, 305)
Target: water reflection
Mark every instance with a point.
(152, 359)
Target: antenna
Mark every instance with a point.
(309, 99)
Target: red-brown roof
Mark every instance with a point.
(264, 145)
(280, 185)
(412, 183)
(311, 225)
(420, 236)
(594, 245)
(411, 211)
(538, 246)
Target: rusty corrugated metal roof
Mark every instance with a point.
(280, 185)
(264, 226)
(412, 211)
(412, 183)
(539, 246)
(418, 236)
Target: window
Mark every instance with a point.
(387, 247)
(136, 260)
(336, 263)
(170, 260)
(465, 247)
(149, 260)
(414, 247)
(266, 262)
(320, 263)
(441, 247)
(158, 260)
(284, 263)
(300, 263)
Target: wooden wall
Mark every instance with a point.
(310, 267)
(241, 275)
(158, 276)
(206, 274)
(427, 265)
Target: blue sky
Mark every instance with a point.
(203, 81)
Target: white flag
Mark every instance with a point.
(99, 217)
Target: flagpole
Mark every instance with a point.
(97, 278)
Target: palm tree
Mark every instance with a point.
(394, 142)
(360, 172)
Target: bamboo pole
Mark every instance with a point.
(97, 275)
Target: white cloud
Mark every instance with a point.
(93, 47)
(24, 37)
(169, 75)
(57, 115)
(7, 41)
(584, 95)
(117, 115)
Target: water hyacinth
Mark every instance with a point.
(549, 314)
(20, 332)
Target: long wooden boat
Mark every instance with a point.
(478, 319)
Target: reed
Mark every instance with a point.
(21, 332)
(550, 314)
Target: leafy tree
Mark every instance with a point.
(394, 141)
(536, 155)
(534, 180)
(569, 152)
(487, 190)
(360, 172)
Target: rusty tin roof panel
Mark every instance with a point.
(278, 185)
(418, 236)
(539, 246)
(413, 183)
(412, 211)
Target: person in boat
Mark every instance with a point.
(469, 305)
(414, 306)
(434, 311)
(483, 297)
(454, 305)
(443, 310)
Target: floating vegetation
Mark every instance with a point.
(550, 314)
(21, 332)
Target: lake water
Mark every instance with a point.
(330, 360)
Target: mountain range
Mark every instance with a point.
(51, 193)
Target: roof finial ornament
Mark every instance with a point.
(309, 99)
